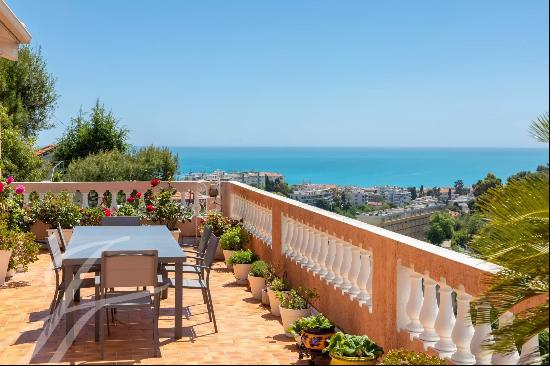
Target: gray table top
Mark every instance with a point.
(88, 242)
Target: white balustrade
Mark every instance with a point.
(338, 260)
(354, 272)
(428, 313)
(295, 240)
(414, 305)
(313, 249)
(482, 337)
(300, 242)
(322, 260)
(331, 258)
(345, 269)
(463, 330)
(530, 352)
(445, 321)
(403, 294)
(364, 296)
(505, 359)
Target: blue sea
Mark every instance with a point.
(365, 166)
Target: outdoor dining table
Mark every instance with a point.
(88, 242)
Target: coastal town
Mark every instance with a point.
(405, 210)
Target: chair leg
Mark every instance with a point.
(204, 298)
(108, 329)
(212, 310)
(155, 333)
(54, 301)
(102, 335)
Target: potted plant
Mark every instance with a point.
(407, 357)
(219, 225)
(276, 285)
(241, 261)
(256, 278)
(312, 332)
(52, 209)
(232, 240)
(346, 349)
(293, 306)
(162, 209)
(20, 246)
(91, 216)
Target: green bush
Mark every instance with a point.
(242, 257)
(314, 322)
(296, 299)
(276, 284)
(258, 269)
(234, 238)
(407, 357)
(166, 211)
(91, 216)
(54, 209)
(126, 209)
(24, 248)
(347, 345)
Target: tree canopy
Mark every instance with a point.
(441, 228)
(91, 133)
(483, 185)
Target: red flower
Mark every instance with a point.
(130, 199)
(10, 179)
(155, 182)
(150, 208)
(138, 195)
(202, 221)
(20, 189)
(1, 187)
(107, 212)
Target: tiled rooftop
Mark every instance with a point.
(247, 331)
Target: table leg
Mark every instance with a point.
(178, 300)
(68, 276)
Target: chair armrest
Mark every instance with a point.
(198, 266)
(97, 280)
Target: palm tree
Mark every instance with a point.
(516, 238)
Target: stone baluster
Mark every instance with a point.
(463, 330)
(321, 266)
(114, 204)
(294, 240)
(84, 201)
(445, 321)
(482, 337)
(414, 305)
(403, 295)
(255, 219)
(308, 246)
(314, 250)
(428, 313)
(346, 268)
(354, 290)
(338, 260)
(530, 352)
(284, 234)
(269, 226)
(505, 359)
(259, 222)
(331, 254)
(299, 242)
(364, 296)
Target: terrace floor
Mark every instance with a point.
(248, 333)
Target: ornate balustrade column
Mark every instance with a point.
(463, 330)
(85, 202)
(482, 337)
(445, 321)
(321, 268)
(307, 246)
(428, 313)
(414, 305)
(331, 255)
(346, 267)
(354, 272)
(338, 260)
(530, 352)
(299, 243)
(505, 359)
(314, 250)
(364, 296)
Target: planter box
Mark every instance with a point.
(190, 228)
(4, 261)
(40, 230)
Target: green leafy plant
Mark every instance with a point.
(127, 209)
(54, 209)
(91, 216)
(11, 207)
(276, 284)
(24, 248)
(258, 269)
(234, 238)
(242, 257)
(310, 323)
(296, 299)
(217, 222)
(165, 210)
(407, 357)
(346, 345)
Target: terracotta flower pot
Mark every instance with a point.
(40, 230)
(265, 297)
(226, 255)
(241, 272)
(289, 316)
(4, 261)
(256, 286)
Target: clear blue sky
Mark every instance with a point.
(300, 72)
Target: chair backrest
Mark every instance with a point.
(128, 268)
(62, 242)
(206, 233)
(55, 251)
(211, 251)
(120, 221)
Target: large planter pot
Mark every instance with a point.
(316, 339)
(256, 286)
(342, 360)
(265, 297)
(176, 234)
(241, 272)
(289, 316)
(226, 255)
(189, 228)
(273, 302)
(40, 230)
(4, 261)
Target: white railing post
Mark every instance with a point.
(482, 337)
(415, 303)
(463, 330)
(346, 266)
(445, 321)
(505, 359)
(338, 260)
(331, 257)
(364, 296)
(354, 272)
(320, 268)
(402, 296)
(428, 313)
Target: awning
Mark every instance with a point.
(12, 33)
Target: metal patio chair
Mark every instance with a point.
(120, 221)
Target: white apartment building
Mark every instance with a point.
(396, 195)
(310, 194)
(250, 178)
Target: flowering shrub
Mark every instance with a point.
(155, 182)
(407, 357)
(11, 205)
(91, 216)
(54, 209)
(24, 250)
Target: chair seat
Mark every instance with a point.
(121, 299)
(185, 269)
(188, 283)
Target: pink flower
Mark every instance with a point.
(1, 187)
(130, 199)
(10, 179)
(155, 182)
(150, 208)
(20, 189)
